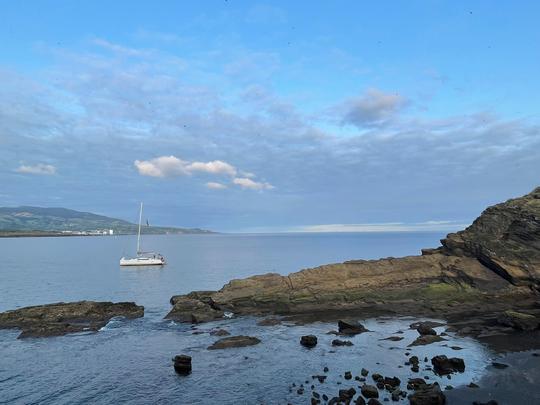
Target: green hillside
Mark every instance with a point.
(62, 219)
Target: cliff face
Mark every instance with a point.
(505, 238)
(488, 263)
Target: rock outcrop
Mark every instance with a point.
(505, 238)
(488, 268)
(63, 318)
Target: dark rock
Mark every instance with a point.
(377, 377)
(443, 365)
(448, 388)
(456, 348)
(499, 365)
(415, 383)
(394, 338)
(337, 342)
(316, 394)
(369, 391)
(472, 385)
(308, 341)
(425, 329)
(415, 369)
(380, 385)
(220, 332)
(63, 318)
(414, 360)
(427, 394)
(426, 340)
(373, 401)
(321, 378)
(392, 382)
(360, 400)
(234, 341)
(182, 364)
(300, 391)
(490, 402)
(347, 395)
(346, 328)
(364, 372)
(325, 397)
(325, 369)
(195, 307)
(348, 375)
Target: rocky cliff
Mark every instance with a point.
(483, 268)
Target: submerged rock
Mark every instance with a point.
(66, 317)
(234, 341)
(426, 340)
(219, 332)
(518, 320)
(424, 328)
(269, 322)
(338, 342)
(369, 391)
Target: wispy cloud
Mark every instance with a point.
(373, 108)
(250, 184)
(40, 168)
(215, 186)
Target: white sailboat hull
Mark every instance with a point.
(141, 261)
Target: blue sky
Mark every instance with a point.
(263, 116)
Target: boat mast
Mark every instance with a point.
(139, 233)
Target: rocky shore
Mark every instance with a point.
(63, 318)
(484, 280)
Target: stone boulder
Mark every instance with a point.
(427, 394)
(443, 365)
(350, 328)
(182, 364)
(369, 391)
(308, 341)
(518, 320)
(195, 307)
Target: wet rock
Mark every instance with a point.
(456, 347)
(269, 322)
(443, 365)
(426, 340)
(425, 324)
(300, 391)
(321, 378)
(347, 395)
(377, 377)
(63, 318)
(364, 372)
(234, 341)
(308, 341)
(380, 385)
(325, 397)
(427, 394)
(415, 369)
(348, 375)
(448, 388)
(338, 342)
(350, 328)
(316, 394)
(490, 402)
(369, 391)
(414, 360)
(219, 332)
(499, 365)
(182, 364)
(392, 381)
(518, 320)
(472, 385)
(325, 369)
(396, 395)
(194, 308)
(373, 401)
(425, 328)
(415, 383)
(360, 400)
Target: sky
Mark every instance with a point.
(246, 116)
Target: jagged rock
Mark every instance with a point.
(182, 364)
(505, 239)
(427, 394)
(66, 317)
(374, 401)
(394, 338)
(500, 366)
(490, 402)
(234, 341)
(369, 391)
(349, 328)
(347, 395)
(426, 340)
(348, 375)
(308, 341)
(443, 365)
(360, 400)
(195, 307)
(377, 377)
(392, 381)
(338, 342)
(415, 383)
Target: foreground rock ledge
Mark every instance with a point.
(63, 318)
(475, 276)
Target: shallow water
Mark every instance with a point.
(130, 361)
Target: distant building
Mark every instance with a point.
(111, 232)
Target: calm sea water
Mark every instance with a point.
(130, 361)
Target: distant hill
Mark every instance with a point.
(29, 219)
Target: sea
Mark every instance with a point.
(129, 361)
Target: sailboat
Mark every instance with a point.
(142, 258)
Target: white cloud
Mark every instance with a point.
(215, 186)
(384, 227)
(163, 166)
(39, 168)
(246, 183)
(214, 167)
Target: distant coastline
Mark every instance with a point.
(42, 234)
